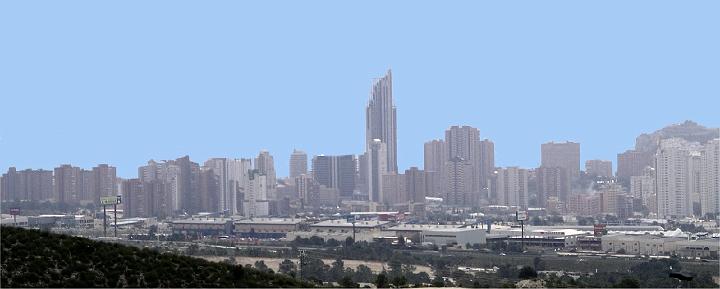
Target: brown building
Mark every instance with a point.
(68, 184)
(631, 163)
(565, 155)
(599, 168)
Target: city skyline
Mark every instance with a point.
(482, 69)
(360, 144)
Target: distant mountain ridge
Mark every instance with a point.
(688, 130)
(33, 258)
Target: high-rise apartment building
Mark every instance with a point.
(393, 189)
(303, 185)
(338, 172)
(632, 163)
(255, 202)
(486, 166)
(265, 165)
(435, 156)
(189, 185)
(381, 121)
(136, 201)
(710, 178)
(230, 175)
(298, 163)
(462, 141)
(565, 155)
(552, 182)
(599, 168)
(512, 187)
(68, 184)
(104, 181)
(459, 179)
(166, 177)
(415, 184)
(27, 185)
(674, 178)
(435, 161)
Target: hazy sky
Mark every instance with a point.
(121, 82)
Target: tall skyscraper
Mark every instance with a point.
(336, 172)
(189, 185)
(674, 178)
(710, 178)
(377, 167)
(458, 184)
(512, 187)
(381, 119)
(265, 165)
(565, 155)
(487, 162)
(298, 163)
(599, 168)
(464, 142)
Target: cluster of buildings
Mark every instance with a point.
(671, 173)
(634, 240)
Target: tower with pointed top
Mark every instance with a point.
(381, 119)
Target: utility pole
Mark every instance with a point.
(104, 221)
(300, 264)
(522, 236)
(115, 213)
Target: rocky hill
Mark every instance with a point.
(687, 130)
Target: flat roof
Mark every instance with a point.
(345, 223)
(271, 221)
(453, 230)
(375, 213)
(420, 227)
(201, 221)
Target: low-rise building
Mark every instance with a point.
(451, 236)
(657, 245)
(414, 231)
(267, 227)
(202, 227)
(341, 229)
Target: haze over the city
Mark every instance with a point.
(93, 82)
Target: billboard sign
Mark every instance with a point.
(112, 200)
(14, 211)
(521, 215)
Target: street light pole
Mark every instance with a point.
(115, 213)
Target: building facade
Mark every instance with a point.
(565, 155)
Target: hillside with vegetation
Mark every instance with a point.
(33, 258)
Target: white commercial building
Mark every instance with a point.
(451, 236)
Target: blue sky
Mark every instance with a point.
(87, 82)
